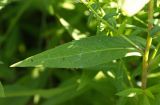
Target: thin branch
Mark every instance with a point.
(148, 46)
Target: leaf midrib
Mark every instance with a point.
(94, 51)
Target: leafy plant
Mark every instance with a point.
(96, 52)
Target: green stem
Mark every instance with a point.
(148, 46)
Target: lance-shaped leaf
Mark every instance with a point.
(131, 92)
(82, 53)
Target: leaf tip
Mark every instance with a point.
(16, 64)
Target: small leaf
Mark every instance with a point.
(155, 31)
(122, 27)
(155, 63)
(109, 18)
(130, 92)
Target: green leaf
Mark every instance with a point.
(155, 88)
(155, 63)
(109, 18)
(149, 94)
(83, 53)
(143, 100)
(17, 90)
(1, 90)
(130, 92)
(156, 101)
(122, 27)
(121, 101)
(155, 31)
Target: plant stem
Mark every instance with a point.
(148, 45)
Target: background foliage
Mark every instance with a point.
(91, 71)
